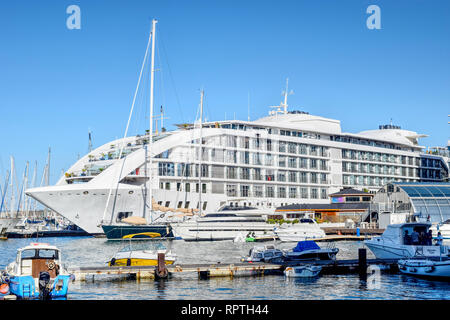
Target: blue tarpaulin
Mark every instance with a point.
(306, 245)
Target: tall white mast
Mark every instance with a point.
(12, 203)
(150, 139)
(200, 157)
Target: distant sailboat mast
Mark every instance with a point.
(150, 139)
(200, 156)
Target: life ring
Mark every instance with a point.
(51, 265)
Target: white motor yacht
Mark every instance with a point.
(305, 229)
(393, 244)
(226, 224)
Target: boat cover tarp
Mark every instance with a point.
(306, 245)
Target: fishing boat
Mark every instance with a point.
(38, 272)
(428, 268)
(141, 255)
(305, 229)
(306, 271)
(267, 253)
(395, 244)
(310, 250)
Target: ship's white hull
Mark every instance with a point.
(392, 251)
(425, 268)
(85, 207)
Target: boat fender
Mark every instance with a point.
(4, 288)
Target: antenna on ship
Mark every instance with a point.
(286, 93)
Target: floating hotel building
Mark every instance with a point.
(284, 158)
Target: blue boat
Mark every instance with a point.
(38, 273)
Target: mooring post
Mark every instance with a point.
(362, 262)
(161, 271)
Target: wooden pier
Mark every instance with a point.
(241, 269)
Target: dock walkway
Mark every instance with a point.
(240, 269)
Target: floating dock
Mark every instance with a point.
(241, 269)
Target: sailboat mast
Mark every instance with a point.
(150, 141)
(200, 157)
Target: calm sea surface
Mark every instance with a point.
(87, 251)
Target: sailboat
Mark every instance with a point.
(133, 227)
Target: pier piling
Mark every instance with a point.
(362, 262)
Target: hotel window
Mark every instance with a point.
(282, 176)
(323, 194)
(292, 162)
(180, 204)
(245, 173)
(313, 164)
(303, 163)
(282, 146)
(257, 159)
(258, 191)
(292, 176)
(282, 161)
(313, 150)
(292, 192)
(167, 185)
(269, 145)
(269, 160)
(323, 164)
(302, 149)
(314, 194)
(186, 205)
(231, 141)
(231, 173)
(323, 178)
(270, 176)
(187, 187)
(245, 190)
(313, 177)
(231, 190)
(292, 147)
(166, 169)
(303, 177)
(281, 192)
(270, 192)
(245, 157)
(257, 174)
(178, 186)
(304, 193)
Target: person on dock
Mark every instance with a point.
(415, 237)
(439, 239)
(429, 238)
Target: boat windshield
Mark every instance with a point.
(40, 254)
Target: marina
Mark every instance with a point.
(258, 160)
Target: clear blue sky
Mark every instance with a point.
(56, 83)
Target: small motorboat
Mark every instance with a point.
(425, 267)
(267, 253)
(310, 250)
(38, 272)
(306, 271)
(141, 255)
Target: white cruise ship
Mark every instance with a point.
(284, 158)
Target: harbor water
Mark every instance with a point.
(88, 251)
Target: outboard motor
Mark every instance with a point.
(44, 285)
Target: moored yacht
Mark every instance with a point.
(393, 244)
(304, 230)
(224, 225)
